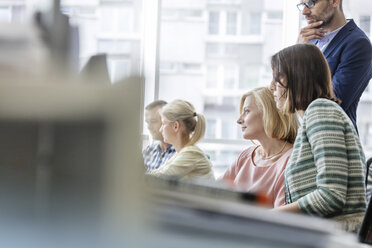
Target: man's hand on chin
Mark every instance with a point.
(310, 32)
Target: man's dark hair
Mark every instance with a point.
(154, 104)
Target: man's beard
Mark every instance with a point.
(327, 21)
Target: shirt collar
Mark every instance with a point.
(333, 33)
(157, 146)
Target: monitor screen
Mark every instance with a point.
(70, 163)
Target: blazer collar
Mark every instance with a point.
(341, 35)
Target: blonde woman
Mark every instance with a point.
(260, 168)
(183, 128)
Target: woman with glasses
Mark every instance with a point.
(325, 175)
(182, 127)
(260, 168)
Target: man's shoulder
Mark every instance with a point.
(354, 33)
(350, 41)
(151, 147)
(170, 149)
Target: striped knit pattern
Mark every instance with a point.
(326, 171)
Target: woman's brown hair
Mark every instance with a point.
(306, 73)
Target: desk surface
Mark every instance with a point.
(192, 219)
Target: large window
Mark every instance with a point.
(112, 27)
(232, 45)
(208, 52)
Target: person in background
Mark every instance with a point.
(158, 152)
(183, 128)
(325, 175)
(345, 46)
(260, 168)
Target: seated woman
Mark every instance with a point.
(260, 168)
(325, 175)
(183, 127)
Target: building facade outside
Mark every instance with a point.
(210, 53)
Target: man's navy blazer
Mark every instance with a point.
(349, 57)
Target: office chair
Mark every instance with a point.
(369, 162)
(365, 233)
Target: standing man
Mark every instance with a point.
(158, 152)
(345, 46)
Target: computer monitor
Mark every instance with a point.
(70, 162)
(96, 70)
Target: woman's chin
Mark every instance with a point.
(279, 105)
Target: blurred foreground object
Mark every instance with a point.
(70, 160)
(188, 213)
(46, 46)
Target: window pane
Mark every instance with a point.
(4, 14)
(214, 22)
(226, 130)
(231, 23)
(212, 155)
(192, 68)
(255, 23)
(275, 15)
(114, 46)
(119, 69)
(212, 76)
(169, 13)
(107, 24)
(229, 156)
(191, 13)
(251, 77)
(230, 79)
(231, 50)
(167, 66)
(211, 129)
(213, 49)
(18, 13)
(124, 20)
(365, 24)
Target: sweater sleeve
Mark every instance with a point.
(181, 165)
(325, 133)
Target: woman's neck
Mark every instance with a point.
(271, 147)
(180, 143)
(163, 146)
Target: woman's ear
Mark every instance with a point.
(176, 126)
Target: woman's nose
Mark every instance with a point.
(239, 120)
(272, 86)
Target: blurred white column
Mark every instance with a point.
(291, 23)
(150, 51)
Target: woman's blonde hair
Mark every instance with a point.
(184, 112)
(277, 125)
